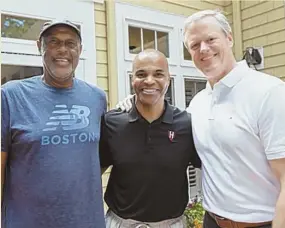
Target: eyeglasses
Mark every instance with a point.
(56, 43)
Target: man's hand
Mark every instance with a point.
(278, 167)
(126, 104)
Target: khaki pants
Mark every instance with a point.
(114, 221)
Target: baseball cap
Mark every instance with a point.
(49, 24)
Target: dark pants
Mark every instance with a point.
(209, 222)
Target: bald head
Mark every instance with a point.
(151, 57)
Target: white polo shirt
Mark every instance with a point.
(238, 126)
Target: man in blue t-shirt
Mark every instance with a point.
(50, 132)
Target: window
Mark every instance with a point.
(169, 96)
(20, 27)
(186, 54)
(148, 39)
(162, 43)
(141, 39)
(192, 87)
(134, 40)
(13, 72)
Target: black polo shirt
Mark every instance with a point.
(148, 181)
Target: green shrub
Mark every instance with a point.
(194, 214)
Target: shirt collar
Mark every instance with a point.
(209, 88)
(166, 117)
(233, 77)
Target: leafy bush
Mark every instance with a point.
(194, 214)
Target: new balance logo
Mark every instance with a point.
(76, 118)
(66, 120)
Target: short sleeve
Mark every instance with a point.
(271, 123)
(5, 123)
(104, 148)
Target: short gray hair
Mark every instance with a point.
(217, 14)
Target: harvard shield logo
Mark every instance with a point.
(171, 135)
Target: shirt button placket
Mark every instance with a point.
(214, 102)
(212, 106)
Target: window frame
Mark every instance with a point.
(193, 79)
(17, 65)
(183, 62)
(146, 25)
(23, 46)
(15, 45)
(142, 38)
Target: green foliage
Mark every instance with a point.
(194, 214)
(15, 27)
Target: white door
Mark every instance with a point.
(140, 28)
(21, 22)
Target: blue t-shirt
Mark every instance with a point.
(53, 177)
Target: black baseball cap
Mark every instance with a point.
(50, 24)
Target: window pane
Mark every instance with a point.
(189, 91)
(186, 54)
(148, 39)
(192, 87)
(169, 96)
(20, 27)
(163, 43)
(134, 40)
(200, 86)
(13, 72)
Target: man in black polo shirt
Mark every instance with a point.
(149, 148)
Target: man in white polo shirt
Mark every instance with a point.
(239, 131)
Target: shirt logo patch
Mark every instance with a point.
(171, 135)
(63, 125)
(76, 118)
